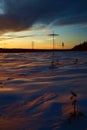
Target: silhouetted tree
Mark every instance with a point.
(81, 47)
(75, 114)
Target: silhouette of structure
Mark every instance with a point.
(32, 45)
(63, 44)
(53, 62)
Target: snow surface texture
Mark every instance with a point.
(34, 95)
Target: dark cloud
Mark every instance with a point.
(23, 14)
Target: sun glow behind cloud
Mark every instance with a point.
(23, 22)
(70, 35)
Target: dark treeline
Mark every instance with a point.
(80, 47)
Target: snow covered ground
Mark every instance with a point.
(36, 96)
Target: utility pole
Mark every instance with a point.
(53, 54)
(32, 45)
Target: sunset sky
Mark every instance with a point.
(23, 22)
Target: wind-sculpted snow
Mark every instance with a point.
(36, 96)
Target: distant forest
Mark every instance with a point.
(81, 47)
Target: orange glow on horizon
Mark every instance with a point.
(40, 41)
(37, 45)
